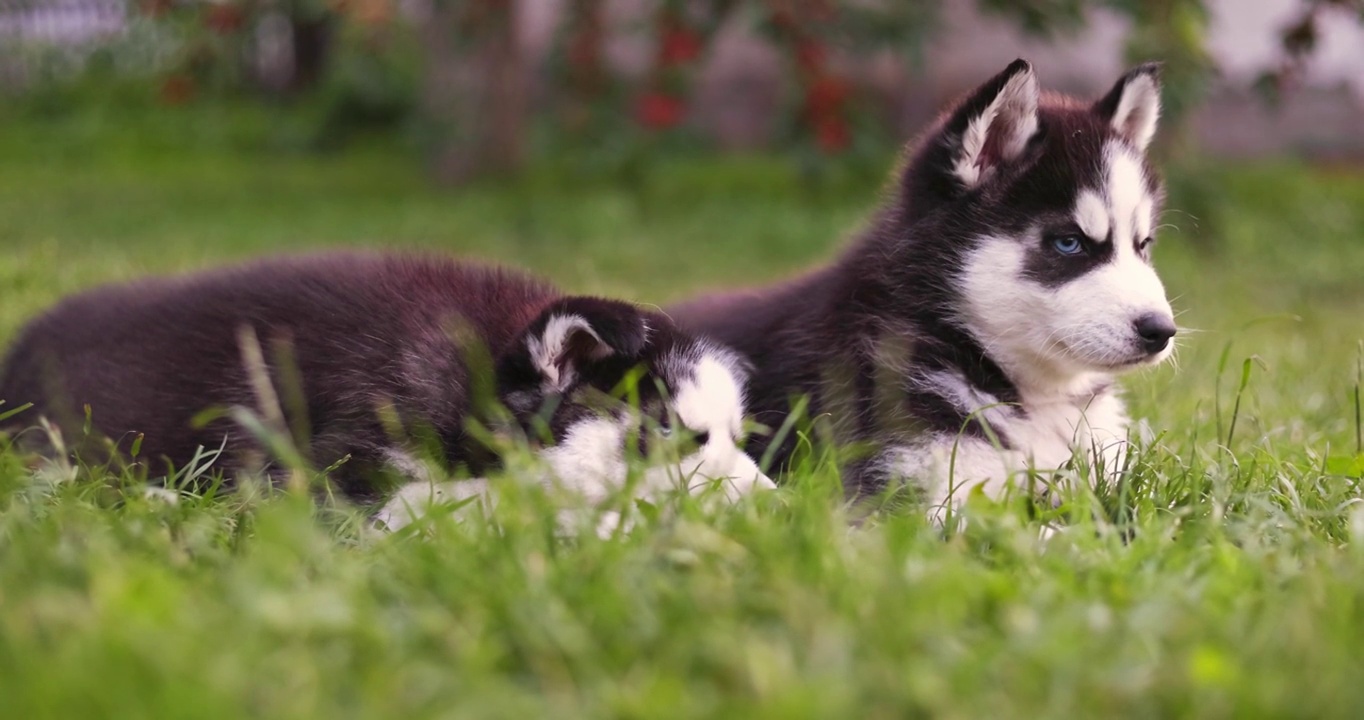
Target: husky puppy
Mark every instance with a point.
(975, 328)
(360, 355)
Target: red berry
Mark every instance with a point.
(657, 111)
(825, 95)
(810, 55)
(679, 46)
(832, 135)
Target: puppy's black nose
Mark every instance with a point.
(1155, 331)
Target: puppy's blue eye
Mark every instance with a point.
(1068, 244)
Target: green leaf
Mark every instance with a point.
(15, 411)
(1347, 465)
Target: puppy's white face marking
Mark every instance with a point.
(1091, 214)
(591, 459)
(1053, 339)
(1127, 194)
(711, 405)
(1093, 316)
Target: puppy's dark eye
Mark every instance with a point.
(702, 438)
(1145, 244)
(1068, 244)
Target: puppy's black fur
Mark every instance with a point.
(895, 290)
(351, 343)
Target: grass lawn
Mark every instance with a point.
(1239, 592)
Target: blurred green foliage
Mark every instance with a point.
(363, 68)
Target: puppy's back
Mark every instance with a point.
(360, 329)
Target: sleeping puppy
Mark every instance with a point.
(688, 423)
(359, 362)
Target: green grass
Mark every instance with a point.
(1239, 591)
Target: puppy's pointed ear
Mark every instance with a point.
(1132, 107)
(993, 126)
(574, 332)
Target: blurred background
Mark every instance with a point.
(483, 86)
(654, 148)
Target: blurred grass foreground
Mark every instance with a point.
(1223, 577)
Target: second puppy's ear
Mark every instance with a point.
(576, 331)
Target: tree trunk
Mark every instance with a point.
(312, 41)
(474, 90)
(584, 69)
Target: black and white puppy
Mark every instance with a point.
(358, 354)
(975, 329)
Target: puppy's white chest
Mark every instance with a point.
(1049, 433)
